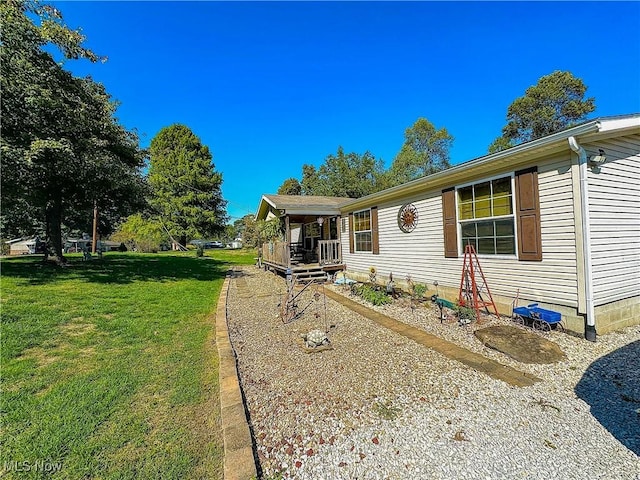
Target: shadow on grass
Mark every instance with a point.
(611, 387)
(116, 268)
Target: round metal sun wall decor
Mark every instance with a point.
(408, 218)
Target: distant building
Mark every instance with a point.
(76, 245)
(23, 246)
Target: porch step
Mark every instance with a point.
(310, 275)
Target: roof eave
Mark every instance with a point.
(312, 211)
(262, 206)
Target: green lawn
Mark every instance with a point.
(109, 367)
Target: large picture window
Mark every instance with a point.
(362, 231)
(485, 215)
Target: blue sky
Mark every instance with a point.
(269, 86)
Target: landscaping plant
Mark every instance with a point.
(371, 294)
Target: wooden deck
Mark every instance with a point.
(280, 257)
(305, 272)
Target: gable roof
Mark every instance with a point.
(512, 158)
(300, 205)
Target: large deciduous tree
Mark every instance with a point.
(425, 151)
(63, 151)
(186, 188)
(343, 175)
(140, 233)
(553, 104)
(310, 183)
(291, 186)
(250, 231)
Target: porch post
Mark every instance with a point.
(287, 237)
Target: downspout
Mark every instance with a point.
(590, 326)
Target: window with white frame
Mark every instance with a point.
(362, 233)
(485, 215)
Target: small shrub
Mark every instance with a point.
(419, 289)
(200, 251)
(416, 290)
(371, 294)
(464, 313)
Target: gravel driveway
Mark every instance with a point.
(378, 405)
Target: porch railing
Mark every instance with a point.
(329, 252)
(276, 252)
(281, 253)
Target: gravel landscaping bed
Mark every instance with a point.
(379, 405)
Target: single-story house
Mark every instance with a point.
(22, 246)
(75, 245)
(108, 246)
(554, 221)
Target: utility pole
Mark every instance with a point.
(94, 242)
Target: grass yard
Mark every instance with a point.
(109, 367)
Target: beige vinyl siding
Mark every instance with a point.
(401, 253)
(421, 252)
(614, 205)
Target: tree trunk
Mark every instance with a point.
(183, 241)
(94, 241)
(47, 238)
(54, 226)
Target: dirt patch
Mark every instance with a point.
(77, 329)
(520, 344)
(43, 357)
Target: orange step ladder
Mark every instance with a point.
(471, 291)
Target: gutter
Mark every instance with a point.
(590, 325)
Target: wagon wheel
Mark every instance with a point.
(560, 327)
(541, 325)
(518, 319)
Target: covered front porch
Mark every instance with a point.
(311, 231)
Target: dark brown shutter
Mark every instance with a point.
(375, 242)
(450, 226)
(351, 241)
(528, 215)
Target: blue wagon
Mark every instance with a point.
(537, 318)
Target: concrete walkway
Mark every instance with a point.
(474, 360)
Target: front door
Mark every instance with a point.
(312, 233)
